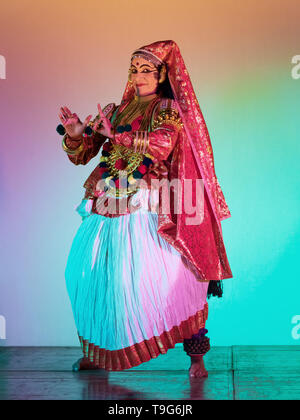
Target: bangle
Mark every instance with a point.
(136, 141)
(139, 139)
(141, 142)
(145, 145)
(71, 151)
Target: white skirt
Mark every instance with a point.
(132, 296)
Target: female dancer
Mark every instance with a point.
(137, 275)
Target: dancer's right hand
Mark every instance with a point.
(72, 124)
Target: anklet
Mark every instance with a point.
(198, 344)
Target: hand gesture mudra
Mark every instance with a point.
(75, 128)
(72, 124)
(102, 124)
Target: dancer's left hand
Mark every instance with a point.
(106, 126)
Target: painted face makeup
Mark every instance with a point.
(144, 77)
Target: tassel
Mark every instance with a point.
(61, 130)
(215, 288)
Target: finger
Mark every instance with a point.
(95, 125)
(87, 120)
(67, 111)
(64, 118)
(63, 112)
(100, 110)
(98, 124)
(102, 118)
(105, 121)
(66, 115)
(61, 118)
(75, 116)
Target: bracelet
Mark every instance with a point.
(135, 140)
(141, 142)
(71, 151)
(146, 143)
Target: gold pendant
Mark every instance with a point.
(133, 159)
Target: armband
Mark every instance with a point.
(168, 116)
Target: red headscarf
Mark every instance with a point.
(201, 244)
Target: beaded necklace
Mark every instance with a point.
(119, 160)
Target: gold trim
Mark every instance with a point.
(122, 152)
(128, 357)
(69, 151)
(168, 116)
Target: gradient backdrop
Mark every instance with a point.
(77, 53)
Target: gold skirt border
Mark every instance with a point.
(128, 357)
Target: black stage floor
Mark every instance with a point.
(237, 372)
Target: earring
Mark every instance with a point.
(162, 74)
(129, 80)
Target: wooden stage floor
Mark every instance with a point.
(235, 373)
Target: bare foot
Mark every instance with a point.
(83, 364)
(197, 369)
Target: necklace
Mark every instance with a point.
(121, 168)
(138, 106)
(118, 160)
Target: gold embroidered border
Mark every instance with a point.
(115, 360)
(168, 116)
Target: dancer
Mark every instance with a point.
(138, 279)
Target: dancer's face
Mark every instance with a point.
(144, 76)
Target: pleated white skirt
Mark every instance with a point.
(129, 287)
